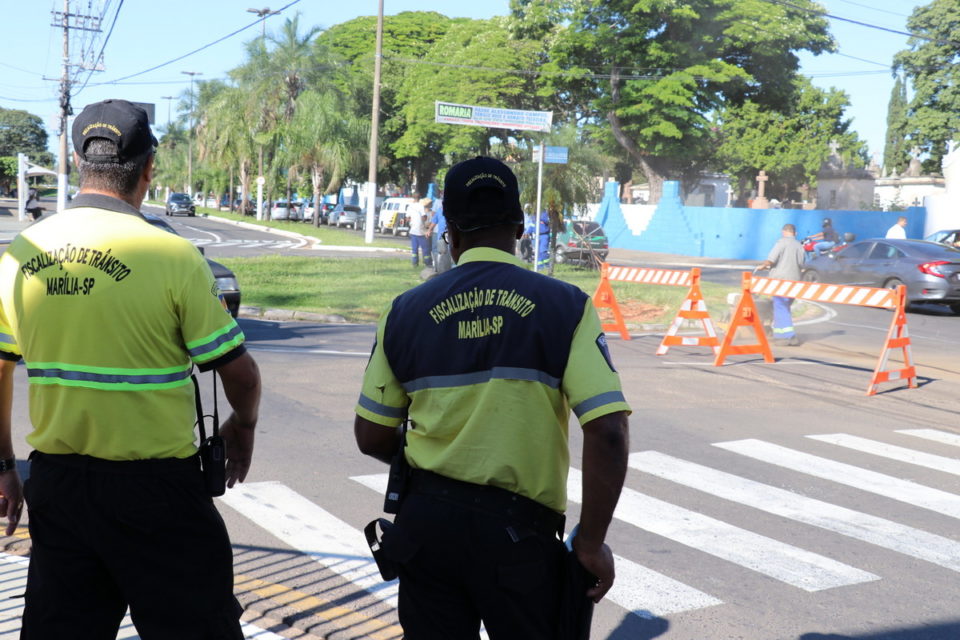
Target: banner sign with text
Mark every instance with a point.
(477, 116)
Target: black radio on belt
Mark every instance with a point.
(399, 476)
(213, 458)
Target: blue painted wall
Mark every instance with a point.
(733, 233)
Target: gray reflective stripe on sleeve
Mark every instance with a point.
(380, 409)
(6, 338)
(215, 344)
(109, 378)
(598, 401)
(479, 377)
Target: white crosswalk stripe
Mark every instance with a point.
(878, 531)
(943, 437)
(792, 565)
(893, 452)
(13, 582)
(871, 481)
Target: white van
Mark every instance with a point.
(394, 215)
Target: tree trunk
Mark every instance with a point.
(244, 186)
(316, 178)
(648, 164)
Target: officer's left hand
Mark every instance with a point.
(11, 499)
(238, 441)
(599, 562)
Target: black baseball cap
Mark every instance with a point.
(123, 122)
(480, 172)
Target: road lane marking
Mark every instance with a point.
(787, 504)
(880, 484)
(892, 452)
(640, 590)
(935, 435)
(794, 566)
(216, 237)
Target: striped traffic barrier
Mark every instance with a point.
(693, 307)
(898, 336)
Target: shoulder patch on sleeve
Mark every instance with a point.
(602, 345)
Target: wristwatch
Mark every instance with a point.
(8, 464)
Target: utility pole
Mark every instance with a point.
(85, 23)
(263, 15)
(374, 133)
(190, 134)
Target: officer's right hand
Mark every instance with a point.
(599, 562)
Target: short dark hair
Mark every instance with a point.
(120, 178)
(789, 228)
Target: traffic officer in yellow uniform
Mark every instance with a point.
(111, 314)
(488, 360)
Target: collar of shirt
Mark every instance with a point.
(100, 201)
(487, 254)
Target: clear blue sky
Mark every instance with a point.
(151, 33)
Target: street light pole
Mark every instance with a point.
(263, 14)
(374, 133)
(169, 99)
(190, 135)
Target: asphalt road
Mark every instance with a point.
(764, 501)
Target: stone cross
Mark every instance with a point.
(760, 202)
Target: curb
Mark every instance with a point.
(286, 315)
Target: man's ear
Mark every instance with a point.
(148, 170)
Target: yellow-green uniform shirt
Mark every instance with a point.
(489, 359)
(109, 314)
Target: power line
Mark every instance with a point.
(186, 55)
(866, 6)
(824, 14)
(99, 58)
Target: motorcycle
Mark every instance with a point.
(809, 245)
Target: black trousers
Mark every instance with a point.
(143, 534)
(460, 566)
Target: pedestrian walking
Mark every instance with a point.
(785, 262)
(898, 230)
(419, 244)
(486, 361)
(111, 314)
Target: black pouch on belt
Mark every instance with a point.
(399, 477)
(213, 458)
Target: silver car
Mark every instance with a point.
(930, 270)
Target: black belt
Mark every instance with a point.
(132, 467)
(489, 499)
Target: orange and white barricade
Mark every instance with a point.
(692, 308)
(897, 337)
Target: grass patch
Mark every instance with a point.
(359, 289)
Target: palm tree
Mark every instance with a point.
(324, 139)
(227, 137)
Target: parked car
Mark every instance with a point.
(394, 215)
(284, 210)
(949, 237)
(930, 270)
(580, 241)
(180, 203)
(225, 278)
(347, 215)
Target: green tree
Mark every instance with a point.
(649, 74)
(407, 38)
(896, 154)
(789, 144)
(932, 64)
(479, 52)
(21, 132)
(325, 140)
